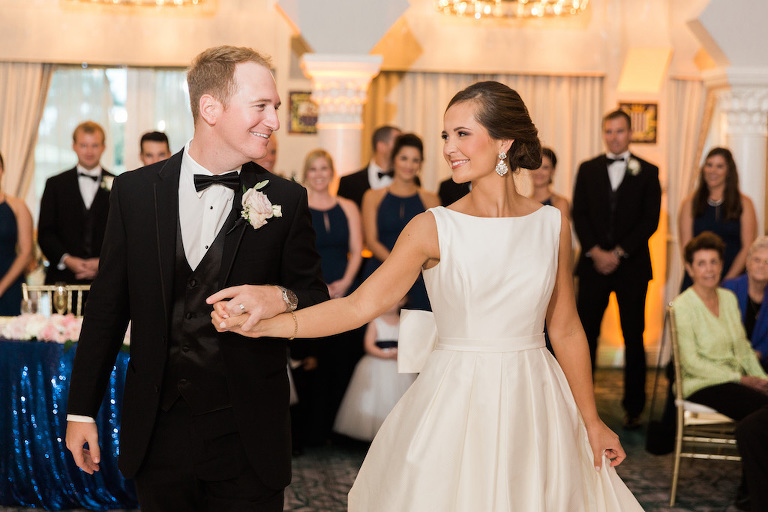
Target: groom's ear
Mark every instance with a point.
(210, 108)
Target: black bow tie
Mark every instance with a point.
(229, 180)
(612, 160)
(83, 175)
(391, 174)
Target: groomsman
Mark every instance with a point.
(378, 173)
(616, 205)
(73, 211)
(205, 423)
(450, 191)
(154, 147)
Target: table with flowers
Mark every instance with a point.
(36, 469)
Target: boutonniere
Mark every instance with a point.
(256, 206)
(106, 183)
(633, 167)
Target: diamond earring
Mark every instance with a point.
(502, 168)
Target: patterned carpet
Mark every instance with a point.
(322, 476)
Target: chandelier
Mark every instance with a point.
(145, 3)
(511, 8)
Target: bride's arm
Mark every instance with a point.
(416, 246)
(572, 351)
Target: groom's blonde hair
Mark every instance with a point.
(213, 72)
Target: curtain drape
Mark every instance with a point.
(686, 108)
(23, 89)
(567, 111)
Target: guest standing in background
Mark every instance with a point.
(542, 183)
(73, 211)
(717, 205)
(378, 173)
(751, 290)
(327, 364)
(270, 159)
(616, 205)
(388, 210)
(154, 147)
(450, 191)
(16, 248)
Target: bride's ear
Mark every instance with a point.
(505, 145)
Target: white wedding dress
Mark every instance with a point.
(490, 425)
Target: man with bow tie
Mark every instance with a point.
(205, 423)
(73, 211)
(616, 205)
(378, 173)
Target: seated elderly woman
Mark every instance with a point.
(719, 367)
(751, 290)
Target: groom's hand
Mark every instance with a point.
(250, 302)
(79, 433)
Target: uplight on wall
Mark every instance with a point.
(511, 8)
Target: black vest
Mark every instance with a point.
(195, 368)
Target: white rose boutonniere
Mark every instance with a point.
(106, 182)
(257, 208)
(633, 167)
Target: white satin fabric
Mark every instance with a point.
(490, 425)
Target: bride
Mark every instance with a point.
(493, 422)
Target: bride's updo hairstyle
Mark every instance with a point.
(501, 111)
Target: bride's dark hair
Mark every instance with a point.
(502, 112)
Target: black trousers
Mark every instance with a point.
(749, 408)
(198, 464)
(594, 291)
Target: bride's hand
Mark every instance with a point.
(604, 440)
(223, 322)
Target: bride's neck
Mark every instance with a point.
(494, 196)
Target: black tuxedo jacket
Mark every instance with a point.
(450, 191)
(638, 203)
(60, 226)
(353, 186)
(135, 282)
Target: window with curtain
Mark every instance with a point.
(126, 102)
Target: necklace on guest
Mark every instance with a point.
(715, 202)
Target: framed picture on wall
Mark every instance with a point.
(644, 118)
(303, 112)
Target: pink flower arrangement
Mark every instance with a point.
(56, 328)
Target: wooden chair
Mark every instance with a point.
(73, 292)
(701, 432)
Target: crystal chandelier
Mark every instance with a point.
(145, 3)
(511, 8)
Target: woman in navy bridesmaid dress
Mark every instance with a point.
(387, 211)
(717, 205)
(15, 249)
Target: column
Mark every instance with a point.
(340, 89)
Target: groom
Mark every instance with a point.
(205, 422)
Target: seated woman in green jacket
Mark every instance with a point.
(719, 367)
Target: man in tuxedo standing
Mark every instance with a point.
(616, 204)
(205, 423)
(450, 191)
(73, 211)
(378, 173)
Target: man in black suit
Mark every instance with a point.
(450, 191)
(378, 173)
(205, 422)
(73, 211)
(154, 147)
(616, 205)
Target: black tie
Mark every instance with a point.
(229, 180)
(83, 175)
(612, 160)
(391, 174)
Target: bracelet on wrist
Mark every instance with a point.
(295, 325)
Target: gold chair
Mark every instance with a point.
(701, 432)
(60, 296)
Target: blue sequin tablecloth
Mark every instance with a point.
(36, 469)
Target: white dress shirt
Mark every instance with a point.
(374, 179)
(88, 186)
(617, 170)
(201, 214)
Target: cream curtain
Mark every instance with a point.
(687, 100)
(566, 109)
(23, 89)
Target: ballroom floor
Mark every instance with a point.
(322, 476)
